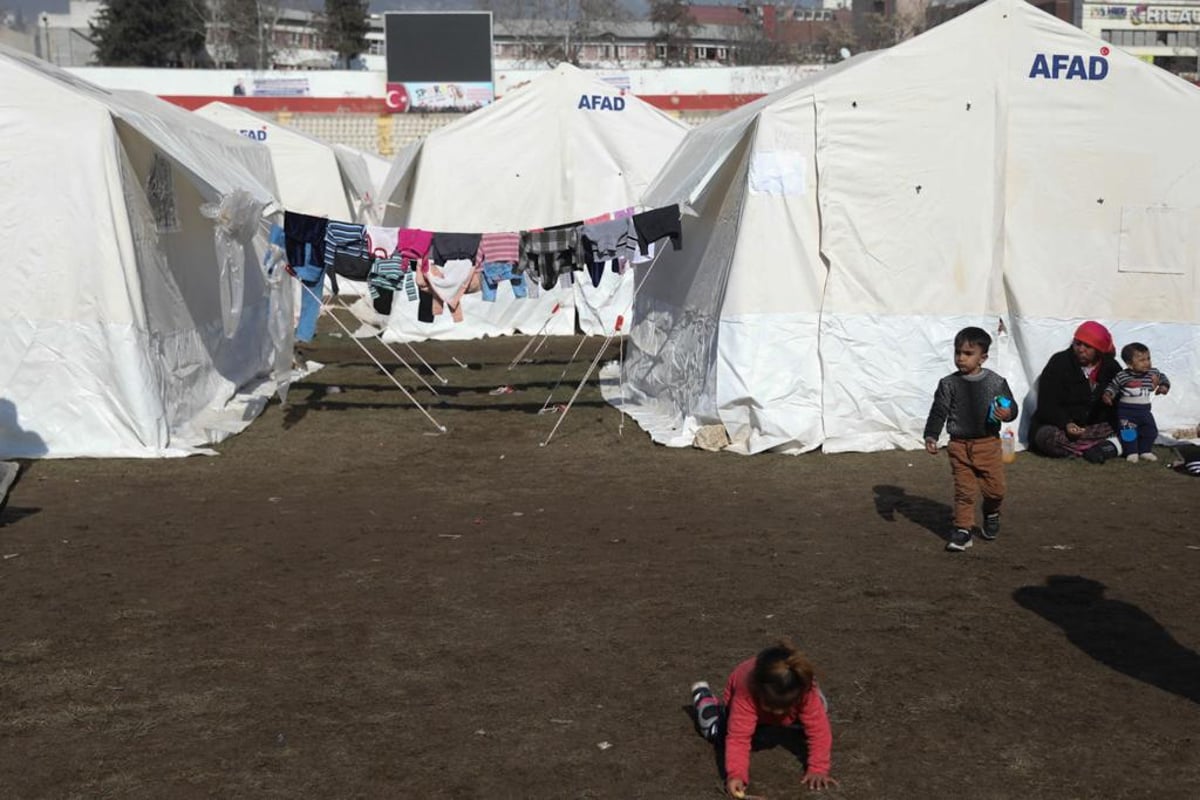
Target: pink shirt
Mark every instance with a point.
(501, 248)
(743, 715)
(413, 243)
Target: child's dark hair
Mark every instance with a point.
(1133, 349)
(782, 675)
(976, 336)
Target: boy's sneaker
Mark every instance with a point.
(1132, 458)
(1149, 457)
(708, 710)
(991, 527)
(959, 540)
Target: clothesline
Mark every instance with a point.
(436, 269)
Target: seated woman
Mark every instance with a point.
(1071, 419)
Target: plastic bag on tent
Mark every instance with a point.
(279, 325)
(236, 217)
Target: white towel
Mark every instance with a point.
(447, 280)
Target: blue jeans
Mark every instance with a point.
(493, 273)
(312, 278)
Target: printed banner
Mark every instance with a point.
(279, 87)
(438, 96)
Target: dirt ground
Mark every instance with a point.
(342, 605)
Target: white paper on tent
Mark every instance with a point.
(1158, 239)
(781, 172)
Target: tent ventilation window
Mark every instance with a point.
(1160, 240)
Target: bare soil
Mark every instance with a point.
(342, 605)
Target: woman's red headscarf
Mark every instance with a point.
(1093, 334)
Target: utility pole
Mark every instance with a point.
(46, 35)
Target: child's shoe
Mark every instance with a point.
(708, 711)
(959, 540)
(1132, 458)
(991, 526)
(1149, 457)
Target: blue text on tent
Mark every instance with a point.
(258, 135)
(1063, 67)
(599, 102)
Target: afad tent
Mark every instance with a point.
(1003, 170)
(136, 319)
(563, 148)
(313, 177)
(364, 173)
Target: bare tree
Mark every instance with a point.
(241, 33)
(755, 48)
(675, 24)
(554, 31)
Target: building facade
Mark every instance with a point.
(1166, 34)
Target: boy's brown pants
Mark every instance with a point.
(977, 467)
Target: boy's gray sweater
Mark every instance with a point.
(961, 403)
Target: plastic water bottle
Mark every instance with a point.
(998, 403)
(1008, 446)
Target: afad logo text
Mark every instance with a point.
(259, 135)
(1057, 66)
(600, 102)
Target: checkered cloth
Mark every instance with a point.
(546, 255)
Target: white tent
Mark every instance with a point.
(314, 177)
(136, 319)
(1002, 170)
(364, 174)
(310, 176)
(563, 148)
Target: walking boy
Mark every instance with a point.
(971, 403)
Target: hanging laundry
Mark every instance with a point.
(382, 242)
(638, 258)
(548, 254)
(498, 248)
(413, 245)
(386, 274)
(344, 237)
(496, 271)
(607, 241)
(424, 305)
(412, 249)
(454, 246)
(383, 302)
(658, 224)
(300, 230)
(304, 241)
(449, 283)
(346, 252)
